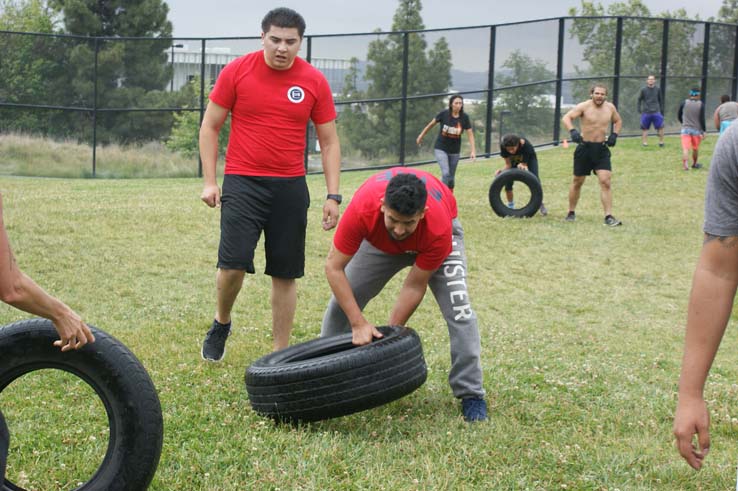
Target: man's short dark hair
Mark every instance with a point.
(510, 140)
(724, 98)
(283, 17)
(406, 194)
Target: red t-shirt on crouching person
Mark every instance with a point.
(363, 220)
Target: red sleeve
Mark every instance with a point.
(324, 110)
(350, 232)
(224, 92)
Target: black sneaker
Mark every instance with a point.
(611, 221)
(474, 409)
(213, 348)
(696, 166)
(570, 217)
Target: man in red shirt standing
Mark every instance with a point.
(398, 218)
(271, 95)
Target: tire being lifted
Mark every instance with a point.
(509, 176)
(329, 377)
(118, 378)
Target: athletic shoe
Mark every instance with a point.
(474, 409)
(213, 348)
(661, 144)
(570, 217)
(543, 210)
(696, 166)
(644, 144)
(511, 204)
(611, 221)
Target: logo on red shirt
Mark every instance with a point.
(295, 94)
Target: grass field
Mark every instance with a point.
(582, 328)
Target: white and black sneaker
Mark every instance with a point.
(213, 348)
(611, 221)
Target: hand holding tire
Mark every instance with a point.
(364, 334)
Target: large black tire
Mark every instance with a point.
(329, 377)
(511, 175)
(4, 443)
(118, 378)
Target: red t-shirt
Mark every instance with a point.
(363, 219)
(270, 110)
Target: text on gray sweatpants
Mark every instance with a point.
(369, 271)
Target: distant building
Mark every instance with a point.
(186, 63)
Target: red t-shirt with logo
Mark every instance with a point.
(270, 110)
(363, 219)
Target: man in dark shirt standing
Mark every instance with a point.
(651, 108)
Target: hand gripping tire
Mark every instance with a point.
(511, 175)
(329, 377)
(118, 378)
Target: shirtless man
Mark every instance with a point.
(592, 155)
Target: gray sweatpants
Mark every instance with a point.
(448, 163)
(369, 271)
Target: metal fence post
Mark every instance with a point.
(734, 84)
(403, 107)
(705, 62)
(202, 100)
(664, 60)
(559, 83)
(308, 58)
(94, 110)
(490, 91)
(618, 56)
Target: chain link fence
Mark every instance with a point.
(519, 77)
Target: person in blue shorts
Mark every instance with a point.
(651, 107)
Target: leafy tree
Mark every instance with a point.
(531, 111)
(728, 12)
(30, 71)
(640, 56)
(185, 134)
(131, 73)
(374, 129)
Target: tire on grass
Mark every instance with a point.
(509, 176)
(329, 377)
(118, 378)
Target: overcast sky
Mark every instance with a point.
(226, 18)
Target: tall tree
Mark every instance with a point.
(374, 129)
(131, 73)
(531, 111)
(30, 71)
(728, 12)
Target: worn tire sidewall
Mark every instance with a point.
(515, 175)
(117, 377)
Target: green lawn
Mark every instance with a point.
(582, 329)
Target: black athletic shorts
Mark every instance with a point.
(4, 444)
(591, 156)
(276, 205)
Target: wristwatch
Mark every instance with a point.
(335, 197)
